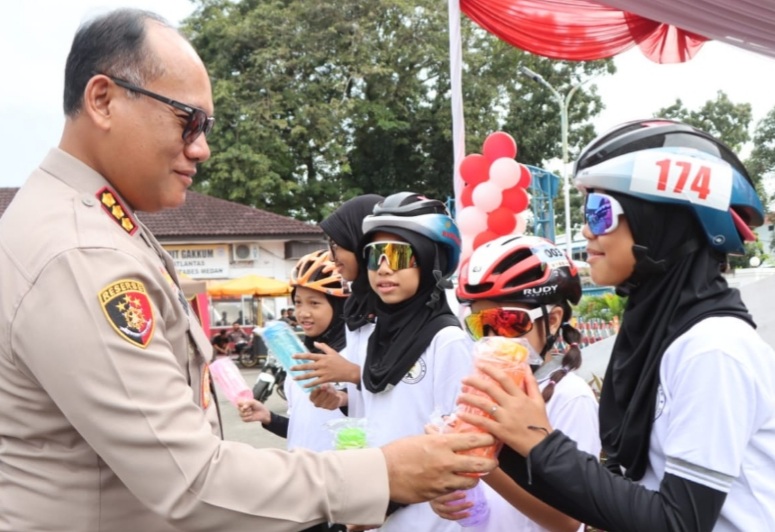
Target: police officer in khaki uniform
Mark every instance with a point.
(109, 422)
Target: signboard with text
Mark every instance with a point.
(207, 261)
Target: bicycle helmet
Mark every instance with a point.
(665, 161)
(317, 271)
(418, 214)
(520, 268)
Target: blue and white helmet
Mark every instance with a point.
(665, 161)
(418, 214)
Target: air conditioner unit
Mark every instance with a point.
(244, 252)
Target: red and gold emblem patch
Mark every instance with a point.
(129, 310)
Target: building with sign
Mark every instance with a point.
(213, 239)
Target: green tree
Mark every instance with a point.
(721, 118)
(752, 249)
(761, 162)
(319, 101)
(603, 307)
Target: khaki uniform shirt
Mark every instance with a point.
(108, 422)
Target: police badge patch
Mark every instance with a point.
(128, 309)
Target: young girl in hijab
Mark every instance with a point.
(687, 410)
(318, 296)
(523, 287)
(344, 231)
(418, 353)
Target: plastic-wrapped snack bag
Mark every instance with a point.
(230, 381)
(479, 513)
(512, 355)
(348, 433)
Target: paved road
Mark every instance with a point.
(253, 433)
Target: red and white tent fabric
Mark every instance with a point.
(580, 29)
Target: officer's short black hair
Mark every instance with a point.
(114, 44)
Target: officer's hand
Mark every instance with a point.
(421, 468)
(328, 367)
(253, 410)
(328, 397)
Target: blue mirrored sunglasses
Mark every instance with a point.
(601, 212)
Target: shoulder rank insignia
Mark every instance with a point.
(129, 311)
(116, 210)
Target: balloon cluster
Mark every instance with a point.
(494, 194)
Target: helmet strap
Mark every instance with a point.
(442, 283)
(550, 337)
(646, 267)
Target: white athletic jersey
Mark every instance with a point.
(357, 341)
(403, 410)
(715, 420)
(573, 410)
(306, 423)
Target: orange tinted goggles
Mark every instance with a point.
(501, 321)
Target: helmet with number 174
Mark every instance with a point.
(665, 161)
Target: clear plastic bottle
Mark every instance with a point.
(283, 343)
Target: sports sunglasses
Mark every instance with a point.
(601, 212)
(399, 255)
(503, 321)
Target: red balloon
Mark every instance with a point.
(499, 144)
(525, 177)
(484, 237)
(465, 196)
(501, 221)
(475, 169)
(515, 199)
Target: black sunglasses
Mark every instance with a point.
(197, 122)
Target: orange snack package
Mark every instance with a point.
(508, 354)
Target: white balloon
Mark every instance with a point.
(487, 196)
(504, 172)
(521, 224)
(471, 221)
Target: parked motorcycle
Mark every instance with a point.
(250, 354)
(271, 378)
(246, 355)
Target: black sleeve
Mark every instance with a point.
(277, 425)
(575, 483)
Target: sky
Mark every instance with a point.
(37, 34)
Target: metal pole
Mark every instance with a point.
(565, 175)
(563, 103)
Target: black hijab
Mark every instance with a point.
(665, 300)
(344, 227)
(404, 330)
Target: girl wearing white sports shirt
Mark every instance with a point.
(418, 353)
(318, 296)
(687, 409)
(344, 232)
(524, 286)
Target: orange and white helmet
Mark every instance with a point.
(317, 271)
